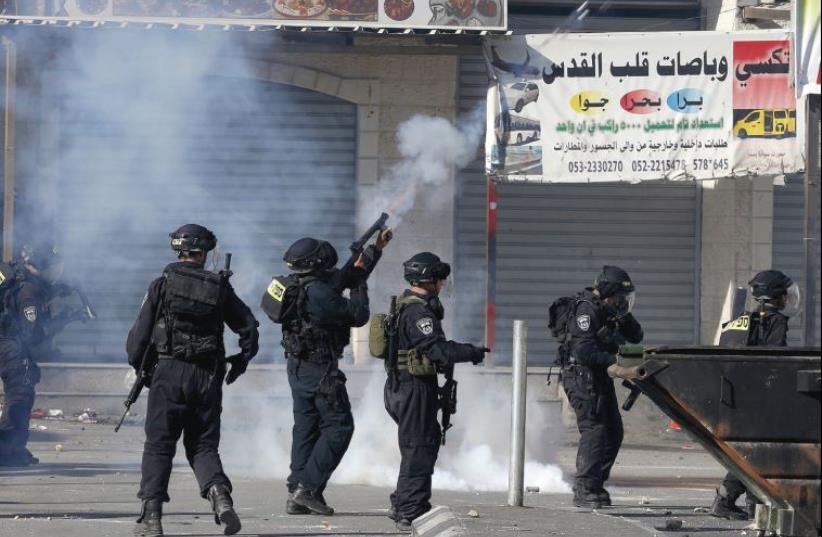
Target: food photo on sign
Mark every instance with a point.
(444, 13)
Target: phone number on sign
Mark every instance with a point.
(650, 165)
(595, 166)
(672, 165)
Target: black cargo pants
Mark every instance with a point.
(592, 395)
(19, 377)
(184, 399)
(413, 407)
(323, 424)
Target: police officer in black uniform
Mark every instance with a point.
(600, 322)
(27, 288)
(411, 393)
(181, 320)
(314, 340)
(778, 299)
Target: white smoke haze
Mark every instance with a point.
(431, 149)
(129, 179)
(475, 457)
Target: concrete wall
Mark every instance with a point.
(737, 216)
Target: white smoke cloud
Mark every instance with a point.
(474, 459)
(431, 149)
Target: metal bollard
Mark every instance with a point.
(516, 468)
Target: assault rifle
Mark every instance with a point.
(391, 332)
(448, 399)
(342, 277)
(149, 360)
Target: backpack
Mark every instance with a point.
(558, 315)
(381, 323)
(281, 298)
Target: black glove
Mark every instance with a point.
(479, 355)
(250, 341)
(239, 364)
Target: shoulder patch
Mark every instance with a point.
(30, 313)
(584, 322)
(426, 326)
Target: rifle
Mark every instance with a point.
(357, 247)
(88, 309)
(391, 332)
(226, 273)
(448, 399)
(142, 377)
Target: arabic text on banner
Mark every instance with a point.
(632, 107)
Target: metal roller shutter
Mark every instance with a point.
(471, 267)
(470, 204)
(553, 239)
(788, 247)
(266, 164)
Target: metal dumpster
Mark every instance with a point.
(757, 410)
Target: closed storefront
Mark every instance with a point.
(552, 241)
(259, 163)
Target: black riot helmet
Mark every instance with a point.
(613, 281)
(770, 285)
(44, 257)
(192, 238)
(309, 254)
(425, 267)
(41, 256)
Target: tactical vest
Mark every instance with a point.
(744, 331)
(410, 360)
(304, 340)
(190, 327)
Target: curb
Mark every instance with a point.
(438, 522)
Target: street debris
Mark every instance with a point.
(87, 416)
(644, 501)
(532, 489)
(55, 413)
(58, 448)
(473, 513)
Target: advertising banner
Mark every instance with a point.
(421, 14)
(806, 17)
(633, 107)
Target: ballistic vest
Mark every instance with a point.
(190, 327)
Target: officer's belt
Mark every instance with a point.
(196, 361)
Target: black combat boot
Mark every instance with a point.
(223, 507)
(585, 497)
(150, 522)
(314, 502)
(725, 507)
(292, 508)
(392, 514)
(604, 497)
(404, 525)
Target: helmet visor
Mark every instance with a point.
(793, 301)
(624, 303)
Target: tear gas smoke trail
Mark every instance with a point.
(431, 148)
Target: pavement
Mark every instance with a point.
(88, 477)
